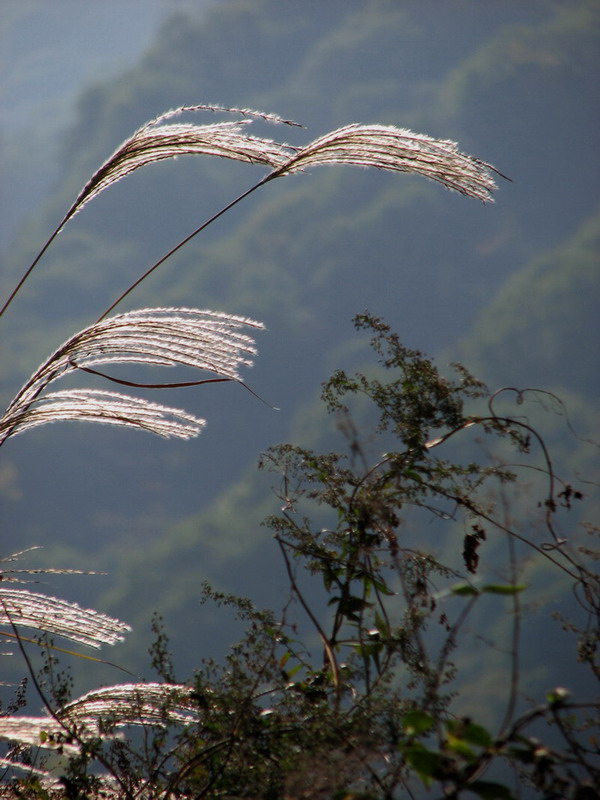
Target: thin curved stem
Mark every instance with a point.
(176, 385)
(17, 288)
(326, 642)
(184, 241)
(516, 628)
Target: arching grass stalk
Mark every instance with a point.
(383, 147)
(186, 336)
(151, 143)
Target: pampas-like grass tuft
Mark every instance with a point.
(151, 144)
(109, 408)
(380, 146)
(155, 141)
(399, 150)
(59, 617)
(133, 704)
(167, 337)
(97, 714)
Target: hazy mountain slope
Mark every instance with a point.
(510, 82)
(543, 328)
(47, 51)
(532, 93)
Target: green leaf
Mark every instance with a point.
(350, 606)
(461, 748)
(413, 475)
(428, 764)
(382, 587)
(294, 670)
(470, 732)
(491, 791)
(381, 625)
(284, 659)
(503, 588)
(417, 722)
(464, 590)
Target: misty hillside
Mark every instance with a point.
(47, 52)
(509, 288)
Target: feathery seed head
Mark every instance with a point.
(168, 337)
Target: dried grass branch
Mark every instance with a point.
(132, 704)
(156, 141)
(59, 617)
(109, 408)
(399, 150)
(98, 713)
(379, 146)
(167, 337)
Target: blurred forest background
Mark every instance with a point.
(510, 289)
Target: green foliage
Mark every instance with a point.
(375, 710)
(350, 690)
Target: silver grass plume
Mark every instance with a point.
(37, 732)
(161, 336)
(110, 408)
(99, 712)
(11, 763)
(399, 150)
(155, 141)
(382, 146)
(132, 704)
(27, 609)
(12, 575)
